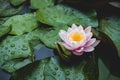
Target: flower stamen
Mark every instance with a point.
(77, 37)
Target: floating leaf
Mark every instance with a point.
(6, 9)
(16, 2)
(33, 35)
(111, 27)
(108, 53)
(21, 23)
(4, 30)
(115, 4)
(14, 50)
(41, 3)
(104, 73)
(53, 69)
(55, 15)
(50, 35)
(15, 64)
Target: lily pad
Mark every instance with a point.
(50, 35)
(33, 35)
(21, 24)
(53, 69)
(41, 3)
(15, 49)
(55, 15)
(4, 30)
(16, 2)
(111, 27)
(6, 9)
(104, 73)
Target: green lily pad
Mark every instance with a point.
(50, 35)
(33, 35)
(16, 2)
(53, 69)
(104, 73)
(111, 27)
(4, 30)
(21, 24)
(55, 15)
(15, 64)
(40, 3)
(6, 9)
(15, 49)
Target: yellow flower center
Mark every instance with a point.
(77, 37)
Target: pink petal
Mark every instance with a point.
(80, 27)
(74, 26)
(67, 46)
(69, 30)
(63, 35)
(78, 53)
(95, 43)
(88, 29)
(88, 36)
(80, 50)
(89, 43)
(88, 49)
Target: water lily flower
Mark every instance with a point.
(78, 40)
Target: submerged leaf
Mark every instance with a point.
(21, 24)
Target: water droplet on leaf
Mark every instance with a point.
(12, 45)
(67, 73)
(54, 73)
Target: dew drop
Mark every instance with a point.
(12, 45)
(56, 68)
(13, 52)
(54, 73)
(67, 73)
(1, 52)
(6, 48)
(7, 41)
(67, 78)
(6, 57)
(2, 45)
(41, 76)
(24, 48)
(34, 78)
